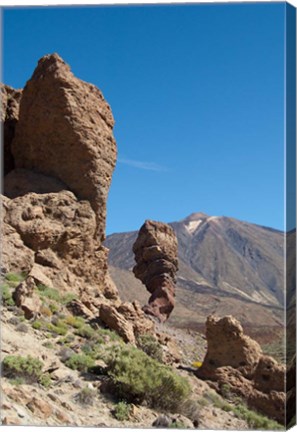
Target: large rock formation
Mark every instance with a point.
(56, 234)
(9, 104)
(58, 136)
(65, 131)
(234, 359)
(155, 252)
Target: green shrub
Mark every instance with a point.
(59, 328)
(28, 368)
(50, 293)
(6, 295)
(86, 396)
(15, 278)
(85, 331)
(254, 419)
(150, 346)
(45, 380)
(73, 321)
(67, 298)
(139, 378)
(38, 325)
(53, 307)
(122, 411)
(80, 362)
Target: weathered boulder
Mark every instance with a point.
(10, 101)
(228, 346)
(155, 252)
(58, 230)
(65, 131)
(126, 319)
(236, 360)
(26, 298)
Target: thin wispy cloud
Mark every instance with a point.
(149, 166)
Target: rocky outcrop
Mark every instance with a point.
(155, 252)
(65, 131)
(127, 319)
(26, 298)
(236, 360)
(10, 101)
(61, 156)
(58, 230)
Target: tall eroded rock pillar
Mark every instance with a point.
(155, 252)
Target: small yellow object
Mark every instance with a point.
(197, 364)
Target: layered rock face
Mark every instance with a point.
(65, 131)
(235, 359)
(58, 136)
(155, 252)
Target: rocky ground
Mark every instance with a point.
(58, 402)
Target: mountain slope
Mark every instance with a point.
(225, 266)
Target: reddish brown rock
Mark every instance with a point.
(228, 346)
(65, 131)
(26, 298)
(10, 101)
(236, 360)
(126, 319)
(155, 252)
(60, 230)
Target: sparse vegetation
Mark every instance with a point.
(15, 278)
(54, 294)
(86, 396)
(45, 380)
(28, 368)
(86, 331)
(80, 362)
(150, 346)
(253, 419)
(139, 378)
(6, 295)
(122, 411)
(73, 321)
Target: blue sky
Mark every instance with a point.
(197, 93)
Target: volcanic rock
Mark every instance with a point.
(126, 319)
(10, 101)
(65, 131)
(155, 252)
(26, 298)
(60, 230)
(227, 344)
(236, 360)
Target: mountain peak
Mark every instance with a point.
(195, 217)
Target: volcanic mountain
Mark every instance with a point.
(226, 266)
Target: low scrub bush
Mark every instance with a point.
(80, 362)
(86, 331)
(45, 380)
(73, 321)
(28, 368)
(254, 419)
(122, 411)
(139, 378)
(6, 295)
(150, 346)
(86, 396)
(15, 278)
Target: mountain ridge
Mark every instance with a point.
(225, 266)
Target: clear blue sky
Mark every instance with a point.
(197, 94)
